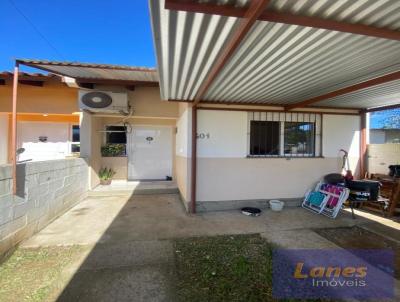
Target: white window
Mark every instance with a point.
(280, 134)
(75, 140)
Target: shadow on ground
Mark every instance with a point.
(129, 242)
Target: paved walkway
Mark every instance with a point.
(128, 247)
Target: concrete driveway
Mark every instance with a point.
(128, 249)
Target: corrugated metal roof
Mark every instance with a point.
(276, 63)
(95, 71)
(8, 74)
(383, 95)
(377, 13)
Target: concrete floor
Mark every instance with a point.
(129, 248)
(123, 187)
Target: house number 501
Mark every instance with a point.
(203, 135)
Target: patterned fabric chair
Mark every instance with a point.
(326, 199)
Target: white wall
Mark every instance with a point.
(3, 138)
(57, 145)
(342, 132)
(183, 152)
(183, 134)
(222, 133)
(377, 136)
(381, 156)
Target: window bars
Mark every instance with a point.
(284, 134)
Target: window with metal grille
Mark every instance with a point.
(280, 134)
(264, 138)
(299, 138)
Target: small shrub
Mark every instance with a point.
(111, 150)
(106, 174)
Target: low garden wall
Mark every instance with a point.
(45, 190)
(381, 156)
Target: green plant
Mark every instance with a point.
(110, 150)
(106, 174)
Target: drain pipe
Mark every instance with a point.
(194, 160)
(14, 128)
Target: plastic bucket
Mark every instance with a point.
(276, 205)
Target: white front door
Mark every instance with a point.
(149, 152)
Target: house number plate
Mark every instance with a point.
(203, 135)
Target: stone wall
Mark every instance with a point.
(45, 190)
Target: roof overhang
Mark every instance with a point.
(89, 74)
(32, 79)
(306, 54)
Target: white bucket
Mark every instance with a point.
(276, 205)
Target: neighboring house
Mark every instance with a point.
(134, 136)
(48, 119)
(384, 136)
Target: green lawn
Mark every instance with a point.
(30, 274)
(224, 268)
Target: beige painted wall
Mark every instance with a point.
(182, 168)
(148, 109)
(54, 98)
(91, 140)
(3, 138)
(259, 178)
(118, 164)
(146, 101)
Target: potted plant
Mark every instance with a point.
(106, 176)
(113, 150)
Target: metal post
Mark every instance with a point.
(194, 160)
(14, 128)
(363, 145)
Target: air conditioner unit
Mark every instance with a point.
(103, 101)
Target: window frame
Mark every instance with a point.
(105, 139)
(282, 117)
(72, 142)
(106, 132)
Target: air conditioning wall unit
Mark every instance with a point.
(103, 101)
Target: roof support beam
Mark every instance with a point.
(31, 83)
(249, 18)
(363, 85)
(389, 107)
(286, 18)
(86, 85)
(117, 82)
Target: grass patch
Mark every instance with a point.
(224, 268)
(29, 274)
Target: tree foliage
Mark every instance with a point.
(388, 119)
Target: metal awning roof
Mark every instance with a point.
(277, 63)
(96, 72)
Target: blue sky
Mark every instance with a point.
(96, 31)
(387, 118)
